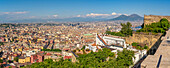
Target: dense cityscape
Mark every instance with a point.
(40, 34)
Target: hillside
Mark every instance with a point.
(133, 17)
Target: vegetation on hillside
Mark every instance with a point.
(158, 27)
(91, 60)
(115, 33)
(137, 46)
(125, 30)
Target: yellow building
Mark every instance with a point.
(39, 39)
(27, 59)
(21, 60)
(24, 59)
(20, 49)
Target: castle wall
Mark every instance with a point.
(148, 39)
(148, 19)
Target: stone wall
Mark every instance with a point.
(148, 19)
(144, 38)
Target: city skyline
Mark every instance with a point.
(84, 33)
(24, 9)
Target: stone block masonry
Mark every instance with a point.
(148, 19)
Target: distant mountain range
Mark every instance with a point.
(133, 17)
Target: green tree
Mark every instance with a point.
(134, 44)
(145, 47)
(83, 47)
(16, 59)
(1, 43)
(115, 33)
(126, 29)
(124, 58)
(1, 61)
(90, 60)
(158, 27)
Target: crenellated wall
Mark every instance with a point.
(148, 19)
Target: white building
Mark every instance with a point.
(107, 41)
(93, 47)
(115, 44)
(138, 54)
(29, 52)
(64, 53)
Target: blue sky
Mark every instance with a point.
(73, 8)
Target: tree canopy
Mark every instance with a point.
(136, 45)
(1, 61)
(115, 33)
(125, 58)
(1, 43)
(16, 59)
(91, 60)
(125, 30)
(158, 27)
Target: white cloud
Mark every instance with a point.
(78, 16)
(24, 12)
(99, 15)
(114, 13)
(95, 14)
(55, 15)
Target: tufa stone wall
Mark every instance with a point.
(144, 38)
(148, 19)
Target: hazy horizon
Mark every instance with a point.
(15, 10)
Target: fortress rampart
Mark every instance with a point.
(148, 19)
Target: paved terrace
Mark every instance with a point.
(161, 59)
